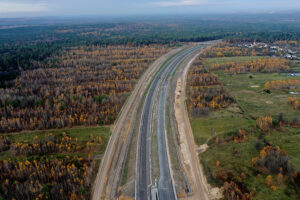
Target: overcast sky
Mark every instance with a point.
(20, 8)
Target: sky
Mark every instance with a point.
(32, 8)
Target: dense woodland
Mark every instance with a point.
(23, 42)
(35, 175)
(87, 86)
(52, 179)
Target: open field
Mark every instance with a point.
(222, 121)
(229, 158)
(250, 96)
(252, 102)
(82, 133)
(288, 139)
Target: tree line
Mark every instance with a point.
(264, 65)
(205, 90)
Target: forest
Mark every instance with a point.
(50, 165)
(26, 42)
(82, 89)
(84, 86)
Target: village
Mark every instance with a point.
(281, 50)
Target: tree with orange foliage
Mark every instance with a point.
(283, 84)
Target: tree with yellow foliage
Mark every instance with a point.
(264, 123)
(294, 102)
(269, 180)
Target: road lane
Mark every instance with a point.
(143, 180)
(166, 188)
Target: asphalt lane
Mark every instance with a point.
(143, 180)
(159, 86)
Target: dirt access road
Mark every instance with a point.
(188, 153)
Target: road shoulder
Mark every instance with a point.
(188, 153)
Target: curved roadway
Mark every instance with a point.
(109, 173)
(158, 88)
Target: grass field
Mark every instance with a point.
(251, 102)
(288, 139)
(250, 96)
(296, 66)
(222, 121)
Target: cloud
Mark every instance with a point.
(22, 7)
(177, 3)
